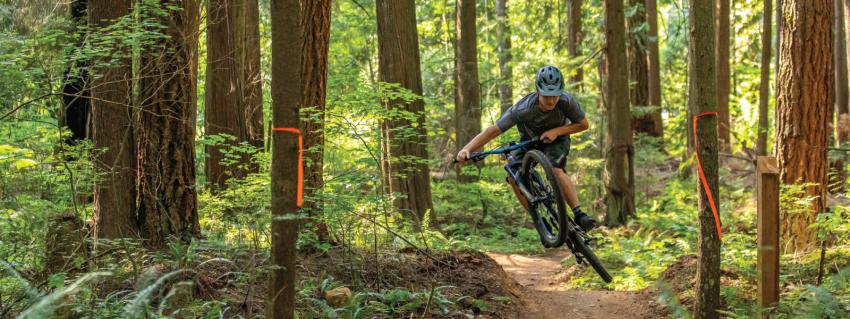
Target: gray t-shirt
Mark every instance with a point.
(532, 122)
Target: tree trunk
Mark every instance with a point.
(112, 130)
(764, 86)
(574, 37)
(76, 104)
(223, 94)
(836, 172)
(287, 93)
(637, 61)
(252, 80)
(619, 174)
(841, 84)
(639, 72)
(503, 29)
(803, 106)
(233, 98)
(316, 23)
(398, 56)
(702, 98)
(654, 76)
(722, 65)
(166, 133)
(468, 109)
(846, 110)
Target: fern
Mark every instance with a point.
(822, 304)
(138, 307)
(31, 292)
(46, 306)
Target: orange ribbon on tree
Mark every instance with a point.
(296, 131)
(702, 175)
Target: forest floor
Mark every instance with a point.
(544, 296)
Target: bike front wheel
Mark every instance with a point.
(547, 208)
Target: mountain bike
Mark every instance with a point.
(537, 181)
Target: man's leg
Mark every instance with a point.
(517, 192)
(568, 188)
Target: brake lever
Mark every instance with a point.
(474, 157)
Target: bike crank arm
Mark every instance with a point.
(579, 258)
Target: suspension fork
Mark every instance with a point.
(532, 200)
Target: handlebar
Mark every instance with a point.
(478, 156)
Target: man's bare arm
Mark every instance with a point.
(478, 141)
(568, 129)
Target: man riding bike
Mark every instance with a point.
(550, 115)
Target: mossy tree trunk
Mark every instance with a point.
(619, 174)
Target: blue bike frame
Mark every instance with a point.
(512, 172)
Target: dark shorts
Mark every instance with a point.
(556, 151)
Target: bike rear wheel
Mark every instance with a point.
(547, 209)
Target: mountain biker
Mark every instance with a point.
(551, 115)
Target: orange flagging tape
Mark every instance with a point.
(296, 131)
(702, 175)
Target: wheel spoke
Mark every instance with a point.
(545, 195)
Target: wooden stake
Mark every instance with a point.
(768, 233)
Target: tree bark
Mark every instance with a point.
(638, 62)
(841, 64)
(503, 29)
(287, 93)
(76, 103)
(619, 174)
(468, 109)
(723, 83)
(654, 76)
(252, 79)
(574, 37)
(846, 109)
(112, 130)
(223, 94)
(803, 106)
(836, 173)
(166, 133)
(398, 56)
(316, 21)
(764, 86)
(702, 98)
(233, 98)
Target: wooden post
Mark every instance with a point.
(768, 233)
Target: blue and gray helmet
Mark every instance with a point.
(550, 81)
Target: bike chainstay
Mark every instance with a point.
(581, 235)
(572, 227)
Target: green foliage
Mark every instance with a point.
(138, 307)
(390, 303)
(41, 176)
(48, 305)
(794, 199)
(827, 301)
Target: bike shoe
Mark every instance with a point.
(585, 222)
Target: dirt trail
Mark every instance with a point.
(547, 299)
